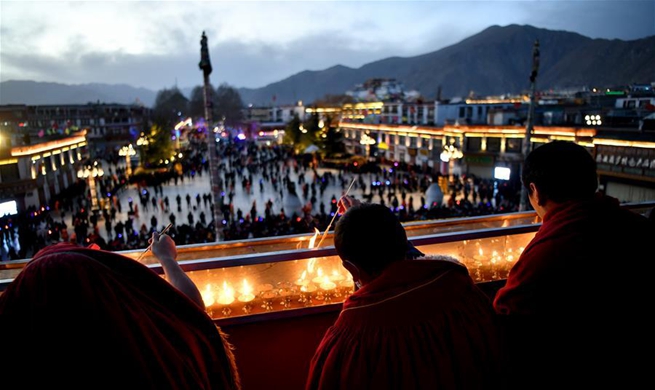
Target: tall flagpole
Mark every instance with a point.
(527, 144)
(214, 178)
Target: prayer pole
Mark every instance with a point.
(214, 178)
(527, 144)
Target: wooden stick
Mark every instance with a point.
(337, 212)
(170, 225)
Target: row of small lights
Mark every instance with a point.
(593, 120)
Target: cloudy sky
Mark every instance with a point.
(253, 43)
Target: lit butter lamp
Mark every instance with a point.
(246, 296)
(226, 298)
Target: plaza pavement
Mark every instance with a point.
(199, 184)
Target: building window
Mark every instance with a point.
(412, 142)
(473, 144)
(513, 145)
(9, 173)
(401, 140)
(493, 144)
(392, 139)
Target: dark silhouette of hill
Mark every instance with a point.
(497, 60)
(37, 93)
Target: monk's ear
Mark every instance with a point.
(352, 268)
(536, 195)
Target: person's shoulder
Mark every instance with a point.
(443, 260)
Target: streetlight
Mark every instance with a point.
(90, 173)
(127, 152)
(449, 154)
(368, 141)
(142, 140)
(593, 120)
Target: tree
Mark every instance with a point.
(159, 147)
(228, 105)
(292, 132)
(170, 106)
(197, 103)
(332, 140)
(301, 135)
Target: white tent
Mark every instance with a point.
(433, 195)
(311, 149)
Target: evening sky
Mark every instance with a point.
(156, 44)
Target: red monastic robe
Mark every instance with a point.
(84, 318)
(422, 324)
(575, 305)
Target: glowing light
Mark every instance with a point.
(450, 152)
(226, 294)
(327, 284)
(208, 295)
(246, 292)
(367, 140)
(181, 124)
(312, 240)
(48, 146)
(303, 279)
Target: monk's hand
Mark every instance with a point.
(347, 202)
(163, 247)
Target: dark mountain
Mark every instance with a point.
(497, 60)
(32, 92)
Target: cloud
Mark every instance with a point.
(153, 44)
(626, 20)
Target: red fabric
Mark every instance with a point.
(83, 318)
(421, 324)
(574, 304)
(573, 250)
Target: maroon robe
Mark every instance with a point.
(575, 305)
(84, 318)
(422, 324)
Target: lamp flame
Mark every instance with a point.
(313, 239)
(246, 288)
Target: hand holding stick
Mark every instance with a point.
(335, 214)
(170, 225)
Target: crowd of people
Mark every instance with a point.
(247, 171)
(573, 312)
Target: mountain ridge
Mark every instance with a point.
(497, 60)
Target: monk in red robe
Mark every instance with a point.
(84, 318)
(413, 324)
(575, 307)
